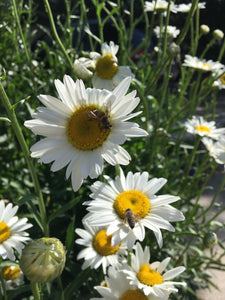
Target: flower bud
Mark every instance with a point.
(210, 240)
(174, 49)
(218, 34)
(43, 260)
(83, 68)
(204, 29)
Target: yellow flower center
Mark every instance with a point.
(133, 295)
(5, 232)
(135, 200)
(106, 66)
(204, 65)
(148, 276)
(202, 128)
(10, 272)
(102, 244)
(84, 131)
(222, 79)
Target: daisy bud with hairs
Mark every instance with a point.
(43, 260)
(84, 128)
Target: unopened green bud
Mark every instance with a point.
(210, 240)
(218, 34)
(204, 29)
(174, 49)
(43, 260)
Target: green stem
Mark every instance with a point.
(221, 51)
(35, 290)
(3, 289)
(20, 30)
(18, 132)
(48, 8)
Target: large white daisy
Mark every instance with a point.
(98, 249)
(84, 128)
(136, 193)
(119, 288)
(12, 234)
(201, 64)
(108, 74)
(149, 277)
(197, 125)
(216, 149)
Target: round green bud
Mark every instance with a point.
(174, 49)
(204, 29)
(210, 240)
(43, 260)
(218, 34)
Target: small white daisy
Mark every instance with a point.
(220, 81)
(134, 192)
(159, 6)
(185, 8)
(84, 128)
(201, 64)
(12, 234)
(108, 74)
(118, 288)
(171, 31)
(98, 249)
(197, 125)
(13, 277)
(83, 68)
(149, 277)
(214, 149)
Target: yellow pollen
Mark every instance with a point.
(148, 276)
(222, 79)
(135, 200)
(202, 128)
(106, 66)
(102, 244)
(133, 295)
(10, 272)
(5, 232)
(83, 131)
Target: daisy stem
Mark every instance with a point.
(3, 288)
(35, 290)
(18, 132)
(51, 20)
(221, 51)
(20, 30)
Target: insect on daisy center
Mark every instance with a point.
(10, 272)
(106, 66)
(148, 276)
(102, 244)
(133, 295)
(5, 232)
(222, 79)
(84, 131)
(134, 200)
(202, 128)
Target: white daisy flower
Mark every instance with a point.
(185, 8)
(201, 64)
(13, 277)
(171, 31)
(220, 81)
(118, 287)
(129, 204)
(197, 125)
(149, 277)
(98, 249)
(159, 5)
(108, 74)
(12, 234)
(214, 148)
(84, 128)
(83, 68)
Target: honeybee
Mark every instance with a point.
(130, 218)
(102, 117)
